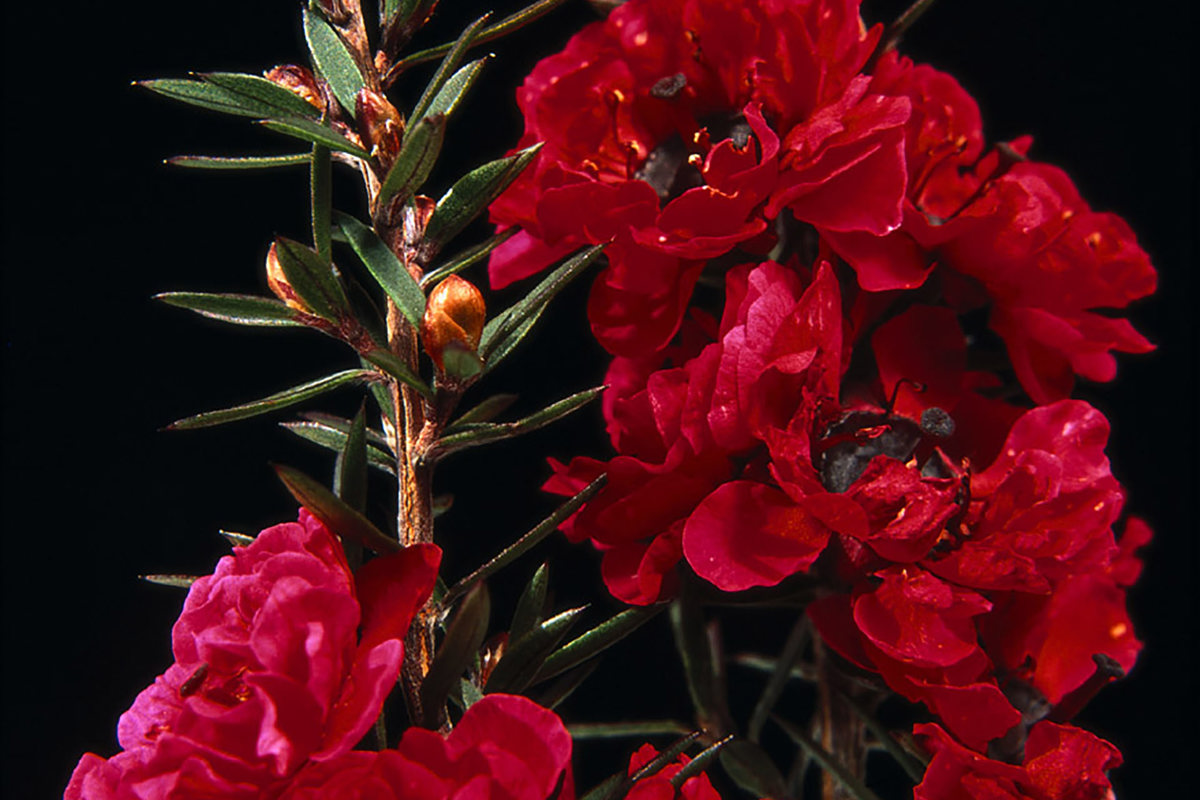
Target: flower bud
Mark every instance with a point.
(300, 81)
(278, 283)
(379, 124)
(454, 317)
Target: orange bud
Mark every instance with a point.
(455, 313)
(300, 81)
(278, 283)
(379, 124)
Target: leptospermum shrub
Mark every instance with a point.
(844, 328)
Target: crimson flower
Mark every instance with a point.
(658, 785)
(271, 671)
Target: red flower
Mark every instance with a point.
(504, 748)
(1060, 763)
(270, 670)
(658, 786)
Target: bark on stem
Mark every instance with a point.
(842, 732)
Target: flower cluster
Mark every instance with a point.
(843, 423)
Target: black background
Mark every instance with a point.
(94, 225)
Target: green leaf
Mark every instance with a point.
(340, 518)
(392, 364)
(288, 397)
(565, 686)
(667, 756)
(692, 642)
(238, 162)
(487, 433)
(793, 648)
(851, 783)
(486, 410)
(591, 644)
(316, 133)
(636, 729)
(350, 476)
(752, 769)
(312, 279)
(321, 193)
(333, 439)
(231, 93)
(529, 540)
(333, 60)
(506, 330)
(240, 309)
(469, 196)
(464, 636)
(418, 153)
(912, 766)
(237, 539)
(609, 789)
(450, 63)
(460, 362)
(524, 656)
(453, 90)
(468, 257)
(531, 604)
(699, 763)
(385, 268)
(176, 581)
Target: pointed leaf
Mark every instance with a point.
(609, 789)
(418, 153)
(321, 200)
(464, 636)
(524, 657)
(350, 477)
(598, 639)
(257, 88)
(487, 433)
(333, 60)
(340, 518)
(752, 769)
(699, 763)
(385, 268)
(691, 641)
(240, 95)
(486, 410)
(312, 279)
(526, 542)
(288, 397)
(636, 729)
(565, 686)
(665, 757)
(506, 330)
(237, 539)
(315, 132)
(176, 581)
(531, 604)
(335, 440)
(240, 309)
(851, 783)
(449, 64)
(469, 196)
(391, 363)
(238, 162)
(453, 90)
(467, 257)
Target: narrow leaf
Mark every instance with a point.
(312, 278)
(449, 64)
(486, 410)
(470, 195)
(238, 162)
(468, 257)
(270, 94)
(321, 196)
(240, 309)
(665, 757)
(524, 656)
(464, 636)
(288, 397)
(237, 539)
(453, 90)
(350, 477)
(531, 604)
(526, 542)
(265, 101)
(340, 518)
(623, 730)
(699, 763)
(914, 768)
(609, 789)
(315, 132)
(418, 153)
(385, 268)
(487, 433)
(509, 327)
(391, 363)
(598, 639)
(177, 581)
(752, 769)
(851, 783)
(691, 640)
(335, 440)
(793, 647)
(565, 686)
(333, 60)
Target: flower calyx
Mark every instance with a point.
(454, 317)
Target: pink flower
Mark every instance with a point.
(271, 671)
